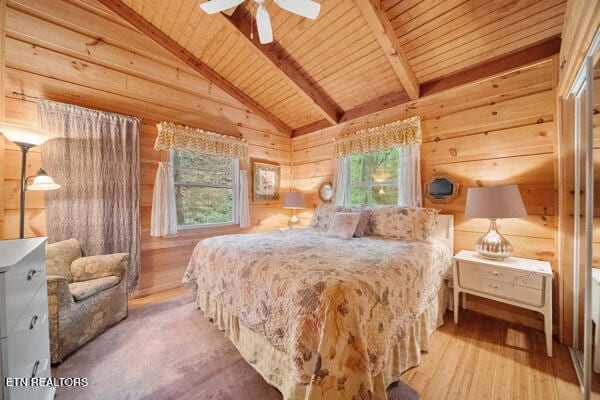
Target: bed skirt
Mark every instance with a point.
(274, 364)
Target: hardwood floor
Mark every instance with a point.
(156, 297)
(488, 358)
(480, 358)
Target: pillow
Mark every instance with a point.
(343, 225)
(365, 214)
(323, 216)
(59, 257)
(411, 223)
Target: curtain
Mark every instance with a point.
(164, 213)
(409, 175)
(183, 138)
(341, 185)
(96, 159)
(379, 138)
(243, 206)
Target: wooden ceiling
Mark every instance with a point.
(357, 57)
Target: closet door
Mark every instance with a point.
(594, 121)
(584, 105)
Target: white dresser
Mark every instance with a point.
(518, 281)
(24, 341)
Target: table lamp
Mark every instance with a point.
(494, 202)
(27, 138)
(293, 201)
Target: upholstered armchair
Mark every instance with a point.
(86, 295)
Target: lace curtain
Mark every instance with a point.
(164, 212)
(183, 138)
(96, 160)
(379, 138)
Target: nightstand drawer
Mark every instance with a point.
(506, 275)
(502, 289)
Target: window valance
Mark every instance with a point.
(183, 138)
(379, 138)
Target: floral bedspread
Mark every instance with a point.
(334, 306)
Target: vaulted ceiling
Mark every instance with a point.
(358, 56)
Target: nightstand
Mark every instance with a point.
(518, 281)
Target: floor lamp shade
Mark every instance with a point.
(494, 202)
(26, 138)
(293, 201)
(24, 135)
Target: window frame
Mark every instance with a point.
(235, 171)
(348, 166)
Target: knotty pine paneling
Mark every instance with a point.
(77, 53)
(498, 130)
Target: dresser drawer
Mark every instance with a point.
(503, 290)
(18, 286)
(27, 349)
(511, 276)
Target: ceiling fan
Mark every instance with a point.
(304, 8)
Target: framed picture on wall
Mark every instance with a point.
(266, 181)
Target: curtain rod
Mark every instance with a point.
(24, 96)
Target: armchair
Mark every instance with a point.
(86, 295)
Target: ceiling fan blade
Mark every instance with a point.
(305, 8)
(215, 6)
(263, 25)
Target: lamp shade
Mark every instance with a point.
(43, 182)
(294, 200)
(24, 135)
(503, 201)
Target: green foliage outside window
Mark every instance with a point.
(374, 178)
(204, 188)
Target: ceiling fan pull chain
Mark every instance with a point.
(251, 29)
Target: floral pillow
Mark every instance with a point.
(343, 225)
(323, 216)
(394, 222)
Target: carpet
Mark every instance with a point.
(167, 351)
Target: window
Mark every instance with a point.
(205, 189)
(374, 178)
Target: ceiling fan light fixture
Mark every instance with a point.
(304, 8)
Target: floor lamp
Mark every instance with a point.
(27, 138)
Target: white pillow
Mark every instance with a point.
(343, 225)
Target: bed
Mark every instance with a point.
(320, 317)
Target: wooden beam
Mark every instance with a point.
(137, 21)
(492, 67)
(312, 127)
(485, 70)
(384, 32)
(276, 57)
(375, 105)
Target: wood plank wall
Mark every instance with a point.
(78, 52)
(498, 130)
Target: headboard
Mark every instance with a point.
(444, 230)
